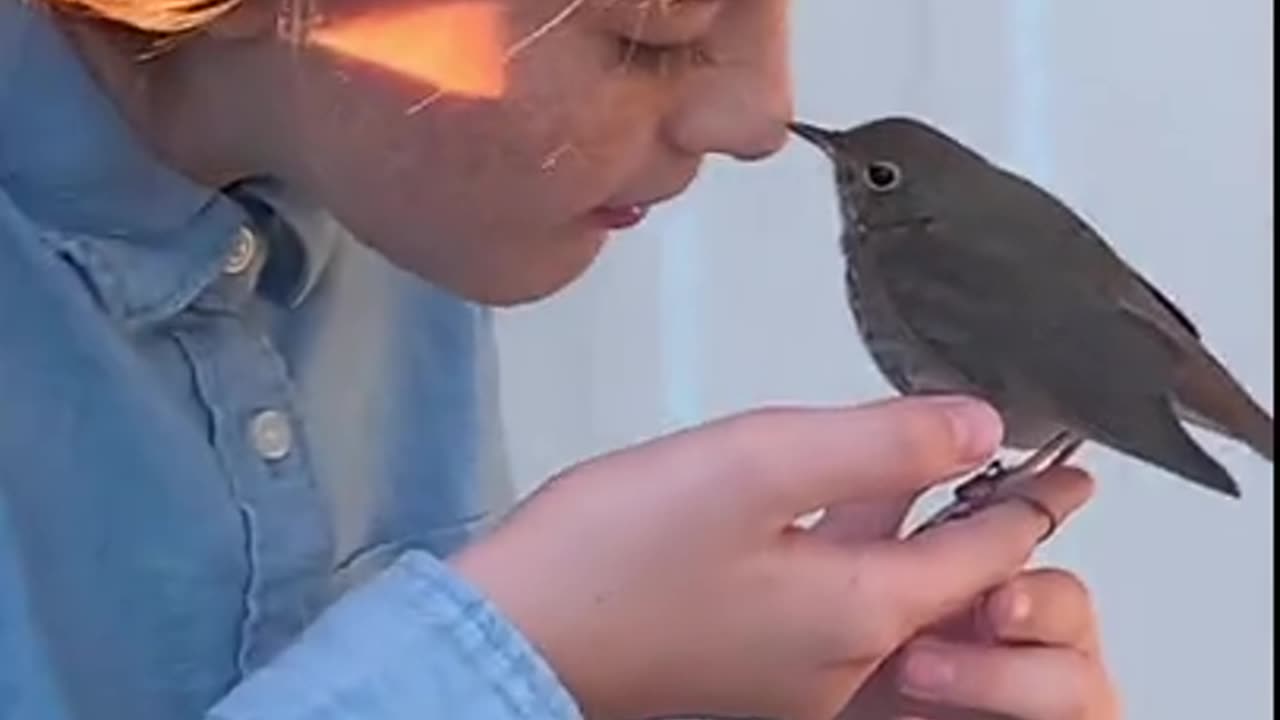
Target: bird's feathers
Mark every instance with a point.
(1018, 338)
(1002, 284)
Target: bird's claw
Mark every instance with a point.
(970, 497)
(996, 484)
(983, 485)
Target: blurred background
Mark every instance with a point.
(1152, 118)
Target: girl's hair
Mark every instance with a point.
(161, 17)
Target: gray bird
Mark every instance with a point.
(964, 277)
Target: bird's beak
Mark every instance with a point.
(823, 139)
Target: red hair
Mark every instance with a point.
(163, 17)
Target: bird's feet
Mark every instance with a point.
(984, 484)
(976, 493)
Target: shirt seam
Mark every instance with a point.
(244, 508)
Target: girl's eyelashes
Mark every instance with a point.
(661, 57)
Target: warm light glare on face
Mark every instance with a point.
(457, 49)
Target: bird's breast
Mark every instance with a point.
(910, 365)
(907, 364)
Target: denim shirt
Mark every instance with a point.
(234, 444)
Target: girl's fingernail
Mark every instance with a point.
(927, 673)
(976, 427)
(1008, 608)
(1018, 607)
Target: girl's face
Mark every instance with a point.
(571, 119)
(601, 116)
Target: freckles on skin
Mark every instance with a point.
(462, 49)
(481, 143)
(486, 196)
(458, 48)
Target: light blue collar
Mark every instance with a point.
(148, 239)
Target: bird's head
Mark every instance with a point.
(894, 170)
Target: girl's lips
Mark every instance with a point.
(619, 218)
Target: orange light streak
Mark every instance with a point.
(458, 49)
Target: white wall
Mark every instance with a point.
(1153, 118)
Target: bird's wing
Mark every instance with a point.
(1025, 207)
(1043, 338)
(1203, 391)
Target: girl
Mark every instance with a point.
(249, 459)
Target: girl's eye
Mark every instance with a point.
(659, 57)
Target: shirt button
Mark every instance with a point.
(272, 434)
(242, 252)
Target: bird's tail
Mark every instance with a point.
(1207, 395)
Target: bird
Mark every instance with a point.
(966, 277)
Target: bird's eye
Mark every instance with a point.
(882, 176)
